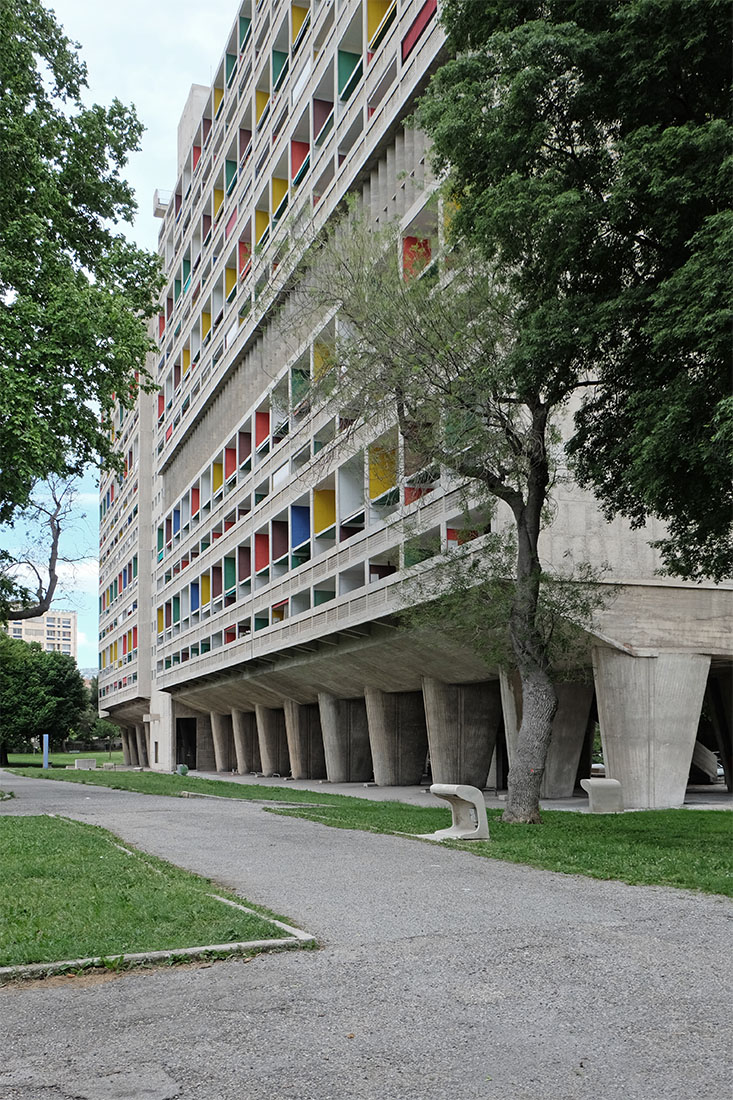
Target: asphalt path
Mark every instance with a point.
(439, 975)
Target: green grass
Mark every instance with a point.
(166, 784)
(60, 759)
(691, 849)
(70, 892)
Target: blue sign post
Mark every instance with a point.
(45, 750)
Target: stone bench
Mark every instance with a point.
(468, 809)
(604, 795)
(85, 764)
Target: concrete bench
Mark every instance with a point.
(604, 796)
(85, 765)
(468, 809)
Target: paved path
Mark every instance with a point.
(440, 975)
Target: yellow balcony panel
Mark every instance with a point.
(261, 101)
(324, 509)
(382, 470)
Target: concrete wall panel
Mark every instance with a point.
(273, 741)
(397, 735)
(345, 739)
(305, 740)
(649, 710)
(462, 724)
(246, 743)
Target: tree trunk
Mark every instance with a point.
(539, 703)
(4, 762)
(539, 700)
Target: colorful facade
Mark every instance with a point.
(252, 562)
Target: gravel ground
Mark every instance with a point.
(439, 975)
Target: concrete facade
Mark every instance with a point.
(265, 635)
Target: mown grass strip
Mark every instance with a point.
(163, 783)
(61, 759)
(73, 891)
(691, 849)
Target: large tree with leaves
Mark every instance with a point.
(429, 349)
(39, 693)
(589, 150)
(74, 294)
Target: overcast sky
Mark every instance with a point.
(149, 54)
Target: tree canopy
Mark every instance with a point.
(39, 693)
(426, 345)
(74, 294)
(588, 148)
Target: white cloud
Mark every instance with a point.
(79, 576)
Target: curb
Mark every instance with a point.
(295, 938)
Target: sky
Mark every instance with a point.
(147, 54)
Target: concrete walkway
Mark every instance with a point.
(440, 975)
(713, 797)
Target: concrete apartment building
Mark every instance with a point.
(251, 564)
(55, 631)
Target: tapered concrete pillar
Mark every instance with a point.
(649, 710)
(574, 702)
(569, 727)
(142, 749)
(125, 735)
(305, 740)
(511, 705)
(205, 758)
(462, 722)
(132, 747)
(273, 741)
(398, 736)
(223, 738)
(246, 745)
(345, 739)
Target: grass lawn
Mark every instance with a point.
(60, 759)
(70, 892)
(692, 849)
(165, 783)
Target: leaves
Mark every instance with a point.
(74, 294)
(588, 149)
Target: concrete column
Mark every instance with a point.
(462, 722)
(398, 736)
(305, 740)
(574, 702)
(273, 741)
(205, 757)
(126, 757)
(649, 710)
(511, 706)
(246, 745)
(345, 739)
(142, 752)
(221, 732)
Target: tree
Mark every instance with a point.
(29, 578)
(90, 725)
(434, 348)
(39, 693)
(588, 148)
(74, 294)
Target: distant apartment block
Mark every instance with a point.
(251, 561)
(54, 631)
